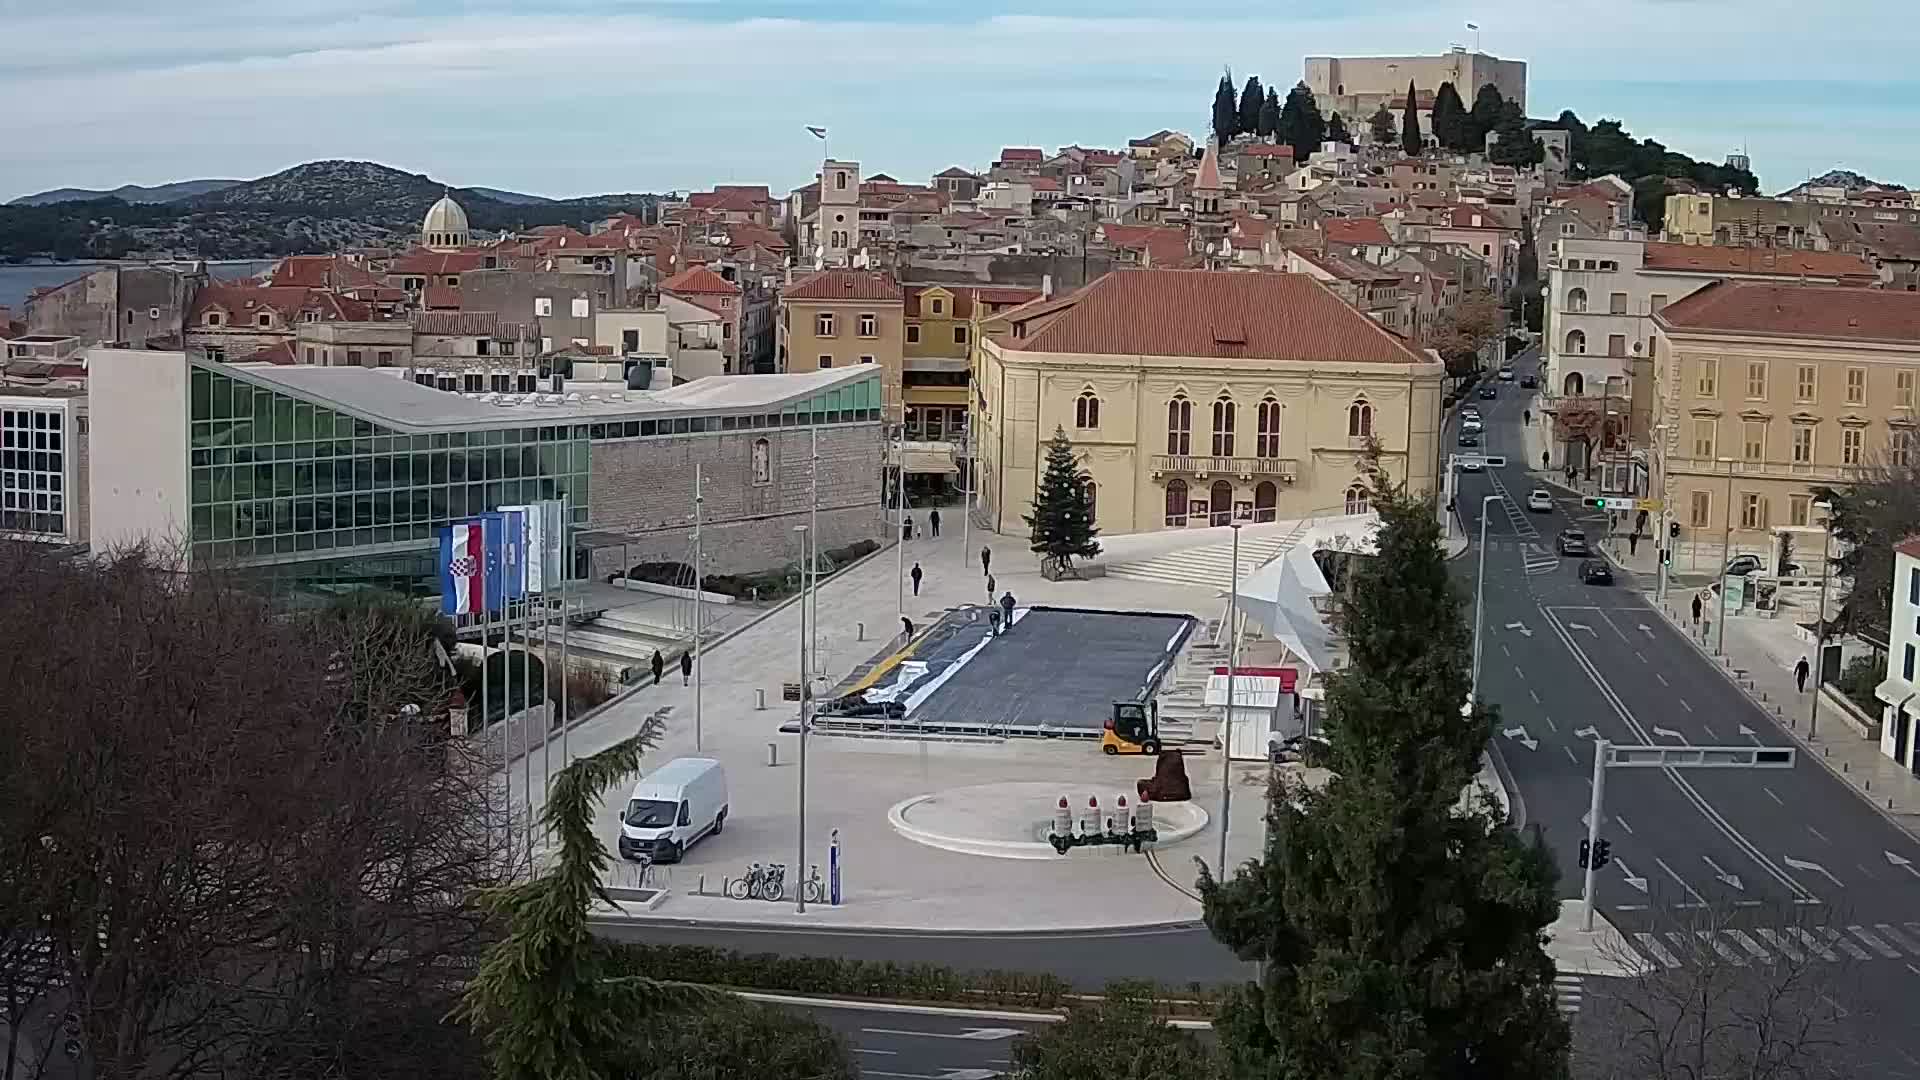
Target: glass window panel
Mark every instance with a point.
(363, 429)
(202, 486)
(283, 517)
(220, 395)
(303, 420)
(383, 506)
(262, 412)
(222, 521)
(202, 523)
(283, 430)
(202, 394)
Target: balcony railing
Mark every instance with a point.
(1287, 469)
(1801, 470)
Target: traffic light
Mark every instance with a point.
(1673, 529)
(1600, 853)
(1583, 853)
(1595, 503)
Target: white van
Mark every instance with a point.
(672, 807)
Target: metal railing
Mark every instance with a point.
(1284, 468)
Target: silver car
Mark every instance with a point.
(1540, 501)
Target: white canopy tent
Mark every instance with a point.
(1280, 595)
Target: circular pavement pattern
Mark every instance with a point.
(1012, 820)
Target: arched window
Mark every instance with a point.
(1086, 410)
(1220, 503)
(1575, 385)
(1176, 502)
(1576, 299)
(1179, 427)
(1093, 502)
(1265, 495)
(1577, 341)
(1359, 419)
(1266, 441)
(1357, 501)
(1223, 427)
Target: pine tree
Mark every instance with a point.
(1301, 125)
(1226, 114)
(1399, 932)
(1337, 130)
(1449, 118)
(1251, 99)
(1380, 127)
(1410, 141)
(1270, 114)
(1515, 144)
(1062, 518)
(1487, 106)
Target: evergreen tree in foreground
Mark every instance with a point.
(1062, 518)
(1410, 141)
(1449, 120)
(1337, 130)
(1400, 931)
(1251, 100)
(1381, 126)
(1226, 113)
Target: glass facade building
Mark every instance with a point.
(34, 470)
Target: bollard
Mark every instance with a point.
(760, 699)
(1866, 785)
(859, 631)
(773, 754)
(701, 886)
(1843, 767)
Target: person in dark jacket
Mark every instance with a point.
(659, 666)
(1006, 610)
(916, 575)
(986, 560)
(686, 668)
(906, 627)
(933, 520)
(1800, 671)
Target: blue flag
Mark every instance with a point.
(494, 528)
(513, 553)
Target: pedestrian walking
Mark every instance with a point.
(686, 668)
(933, 520)
(1545, 460)
(906, 528)
(986, 562)
(915, 574)
(659, 666)
(1696, 609)
(1633, 541)
(1006, 609)
(1800, 674)
(993, 621)
(906, 627)
(989, 588)
(1526, 417)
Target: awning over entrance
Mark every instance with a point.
(924, 457)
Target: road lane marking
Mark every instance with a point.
(1749, 944)
(1637, 656)
(1771, 795)
(1812, 944)
(1622, 822)
(969, 1035)
(1785, 945)
(1575, 758)
(1652, 947)
(1517, 671)
(1534, 696)
(1683, 704)
(885, 1053)
(1551, 726)
(1662, 678)
(1899, 939)
(1675, 875)
(1817, 834)
(1505, 650)
(1713, 942)
(1874, 943)
(1835, 937)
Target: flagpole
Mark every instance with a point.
(546, 656)
(699, 610)
(565, 550)
(813, 561)
(507, 590)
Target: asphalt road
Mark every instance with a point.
(900, 1046)
(1753, 865)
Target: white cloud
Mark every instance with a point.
(656, 95)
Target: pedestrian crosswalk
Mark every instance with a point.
(27, 969)
(1567, 992)
(1740, 946)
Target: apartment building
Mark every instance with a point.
(1764, 390)
(1737, 221)
(1899, 692)
(842, 318)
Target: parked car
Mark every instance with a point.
(1540, 501)
(1529, 381)
(1572, 542)
(1469, 412)
(1595, 572)
(1742, 565)
(1506, 374)
(1472, 464)
(673, 807)
(1469, 438)
(1489, 392)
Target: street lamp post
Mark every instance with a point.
(1479, 596)
(1226, 728)
(1820, 624)
(800, 862)
(1726, 556)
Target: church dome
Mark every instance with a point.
(445, 225)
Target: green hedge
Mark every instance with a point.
(765, 584)
(831, 976)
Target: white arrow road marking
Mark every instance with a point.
(1725, 878)
(1645, 629)
(1519, 735)
(1520, 626)
(1633, 882)
(1748, 732)
(1622, 822)
(1813, 867)
(970, 1035)
(1901, 862)
(1668, 733)
(1583, 626)
(1586, 733)
(1675, 875)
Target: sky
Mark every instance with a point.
(577, 97)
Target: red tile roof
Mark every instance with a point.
(241, 301)
(1826, 312)
(844, 285)
(699, 281)
(1350, 231)
(1022, 153)
(1209, 313)
(280, 352)
(1044, 183)
(1273, 150)
(319, 272)
(1785, 262)
(441, 298)
(965, 295)
(457, 324)
(1208, 178)
(1162, 243)
(422, 261)
(1910, 547)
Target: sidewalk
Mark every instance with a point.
(1753, 661)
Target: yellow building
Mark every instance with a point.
(1764, 391)
(839, 318)
(941, 324)
(1192, 395)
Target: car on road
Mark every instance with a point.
(1540, 501)
(1488, 393)
(1506, 374)
(672, 807)
(1742, 565)
(1470, 411)
(1595, 572)
(1470, 423)
(1572, 542)
(1529, 381)
(1469, 438)
(1472, 464)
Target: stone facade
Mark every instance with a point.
(644, 487)
(117, 305)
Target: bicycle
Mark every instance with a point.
(813, 890)
(773, 886)
(748, 887)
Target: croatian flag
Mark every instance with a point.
(462, 570)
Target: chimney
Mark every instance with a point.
(1046, 286)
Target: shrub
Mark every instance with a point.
(586, 686)
(833, 976)
(1124, 1035)
(739, 1039)
(1858, 679)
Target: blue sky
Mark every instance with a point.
(565, 97)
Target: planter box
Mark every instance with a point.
(1867, 727)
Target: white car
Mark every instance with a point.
(1540, 501)
(1472, 464)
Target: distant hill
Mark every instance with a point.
(127, 193)
(316, 207)
(1841, 178)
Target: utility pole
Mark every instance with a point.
(900, 502)
(1479, 597)
(1594, 805)
(1226, 728)
(1820, 627)
(800, 861)
(699, 610)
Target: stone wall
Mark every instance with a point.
(644, 488)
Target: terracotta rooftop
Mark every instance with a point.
(1022, 153)
(441, 298)
(1787, 262)
(422, 261)
(1910, 547)
(320, 271)
(1209, 313)
(844, 285)
(1827, 312)
(1355, 231)
(242, 300)
(1261, 149)
(699, 281)
(1162, 243)
(457, 323)
(280, 352)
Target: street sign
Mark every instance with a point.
(790, 691)
(1491, 461)
(1700, 757)
(1651, 506)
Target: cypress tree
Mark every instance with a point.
(1270, 114)
(1251, 99)
(1487, 107)
(1226, 114)
(1399, 931)
(1410, 140)
(1516, 145)
(1301, 125)
(1449, 118)
(1381, 126)
(1337, 130)
(1062, 518)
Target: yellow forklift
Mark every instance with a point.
(1134, 728)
